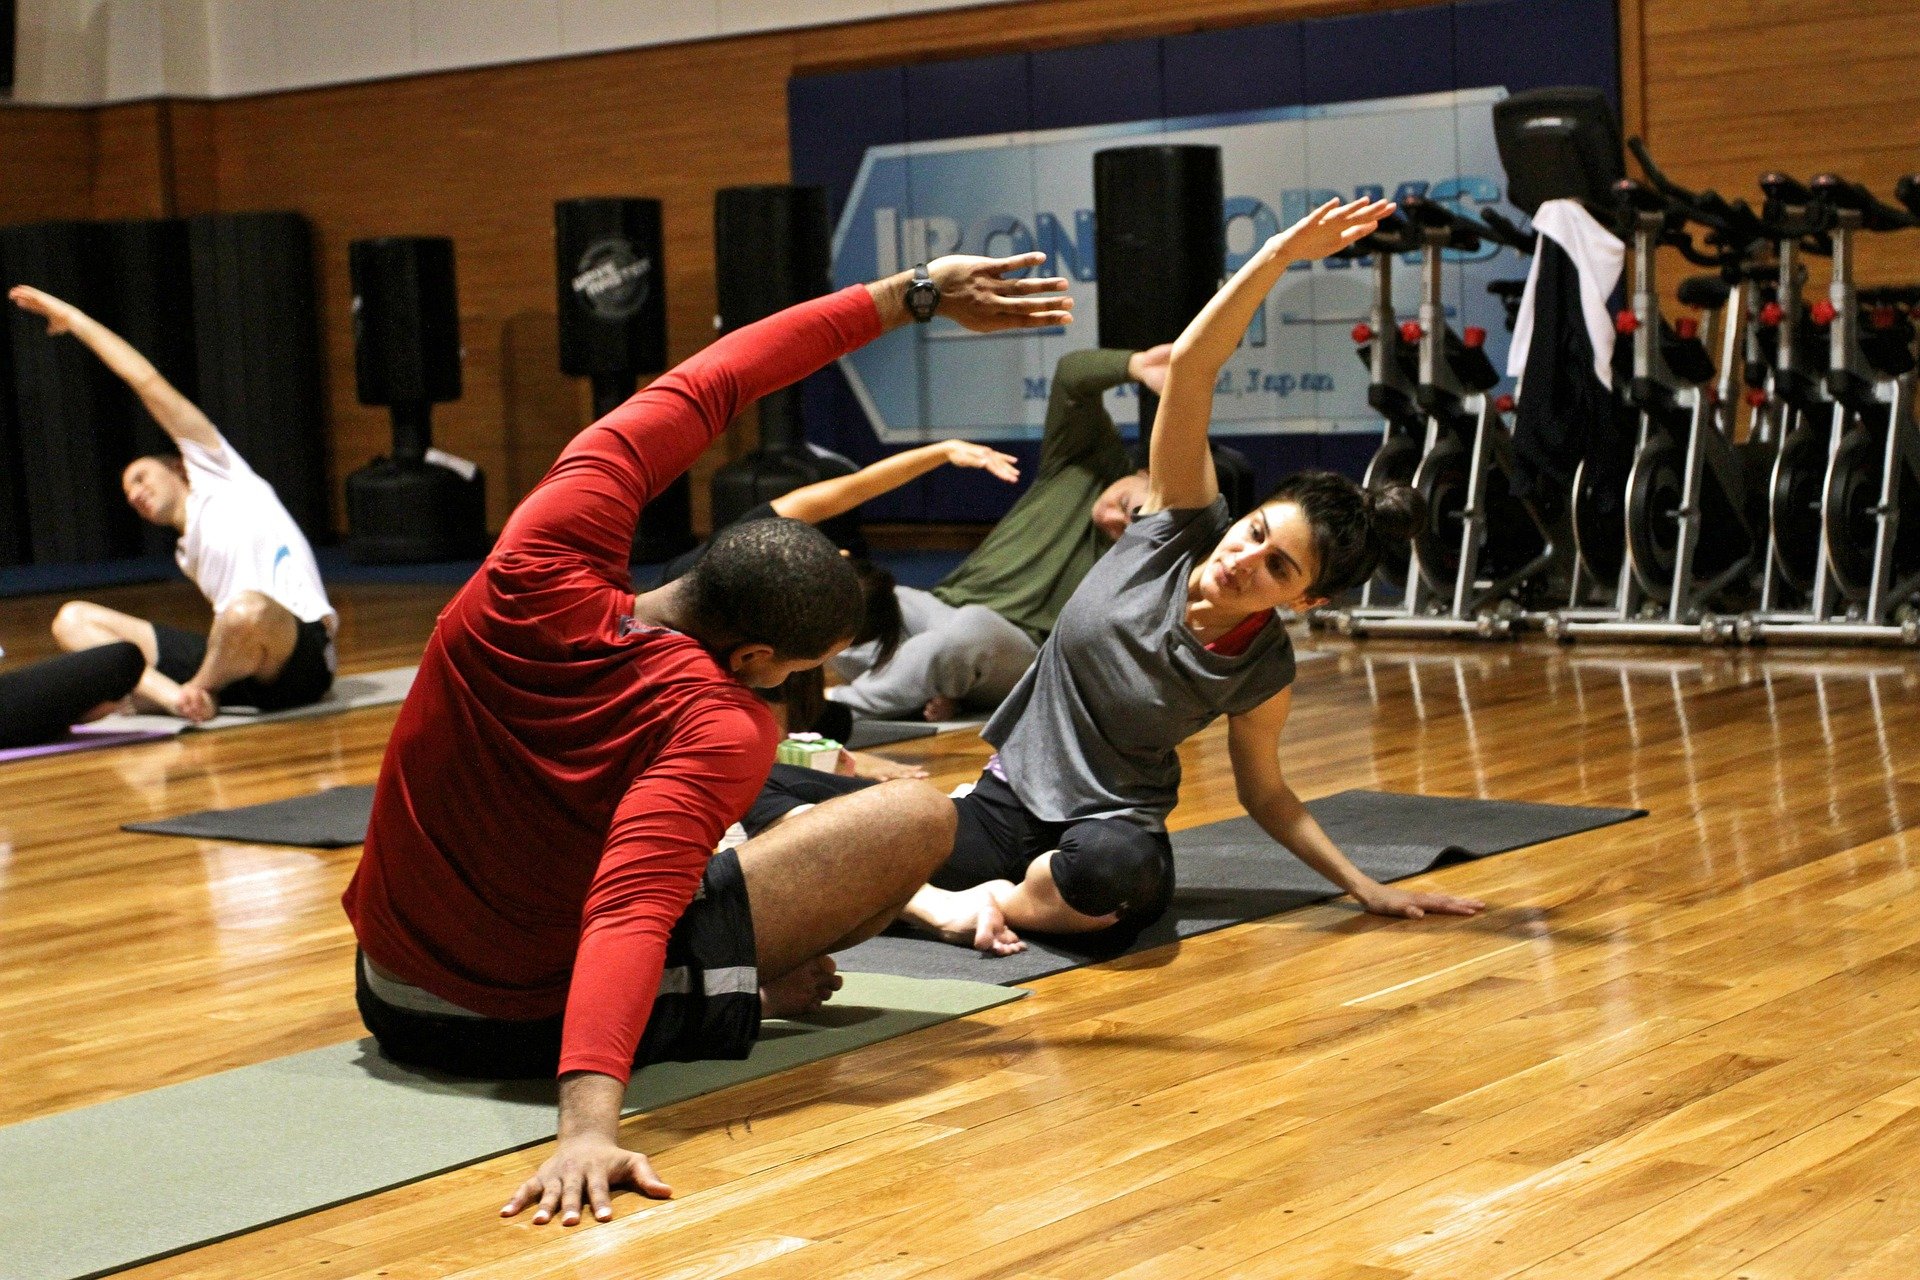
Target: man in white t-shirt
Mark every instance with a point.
(271, 645)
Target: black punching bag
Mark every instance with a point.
(772, 249)
(406, 357)
(612, 306)
(1160, 237)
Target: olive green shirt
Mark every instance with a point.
(1033, 559)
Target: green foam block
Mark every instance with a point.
(123, 1182)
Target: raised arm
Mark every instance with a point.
(814, 503)
(1253, 745)
(1179, 465)
(178, 416)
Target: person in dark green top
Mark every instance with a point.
(971, 638)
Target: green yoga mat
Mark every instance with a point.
(194, 1163)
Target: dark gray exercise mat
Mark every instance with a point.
(878, 733)
(330, 819)
(192, 1163)
(1232, 871)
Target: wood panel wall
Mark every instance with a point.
(1722, 88)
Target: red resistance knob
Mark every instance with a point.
(1410, 331)
(1687, 328)
(1772, 314)
(1475, 337)
(1756, 398)
(1363, 333)
(1504, 404)
(1626, 322)
(1822, 312)
(1882, 317)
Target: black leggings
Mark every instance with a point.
(1100, 865)
(39, 700)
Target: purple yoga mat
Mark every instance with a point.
(82, 742)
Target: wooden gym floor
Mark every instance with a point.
(1684, 1046)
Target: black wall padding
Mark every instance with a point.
(772, 248)
(74, 434)
(148, 300)
(8, 18)
(612, 299)
(1160, 239)
(406, 320)
(256, 317)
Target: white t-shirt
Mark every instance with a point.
(239, 537)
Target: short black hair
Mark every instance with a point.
(775, 582)
(1354, 528)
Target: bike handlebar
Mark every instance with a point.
(1836, 192)
(1502, 230)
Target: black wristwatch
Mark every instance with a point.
(923, 295)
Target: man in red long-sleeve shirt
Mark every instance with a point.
(538, 892)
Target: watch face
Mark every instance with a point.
(922, 298)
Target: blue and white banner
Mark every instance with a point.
(1296, 371)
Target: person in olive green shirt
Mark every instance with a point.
(971, 638)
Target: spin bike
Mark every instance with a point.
(1687, 540)
(1479, 545)
(1865, 583)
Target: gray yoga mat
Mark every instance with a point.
(349, 693)
(330, 819)
(193, 1163)
(878, 733)
(1232, 871)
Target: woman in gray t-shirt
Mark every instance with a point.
(1175, 627)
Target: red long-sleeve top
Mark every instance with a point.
(559, 776)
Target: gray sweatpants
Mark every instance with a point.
(969, 654)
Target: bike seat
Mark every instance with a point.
(1639, 196)
(1394, 235)
(1785, 190)
(1907, 192)
(1704, 293)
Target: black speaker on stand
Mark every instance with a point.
(406, 357)
(772, 249)
(1160, 237)
(612, 305)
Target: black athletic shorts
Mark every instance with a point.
(997, 838)
(305, 679)
(708, 1006)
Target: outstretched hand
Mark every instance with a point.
(581, 1173)
(1385, 900)
(59, 314)
(1001, 466)
(978, 294)
(1330, 228)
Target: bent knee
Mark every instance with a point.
(922, 804)
(1113, 866)
(74, 617)
(249, 611)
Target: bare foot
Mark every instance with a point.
(880, 769)
(939, 708)
(967, 918)
(195, 704)
(802, 991)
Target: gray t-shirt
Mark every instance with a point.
(1092, 729)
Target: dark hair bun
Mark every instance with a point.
(1394, 511)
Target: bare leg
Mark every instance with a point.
(252, 637)
(80, 625)
(987, 916)
(836, 874)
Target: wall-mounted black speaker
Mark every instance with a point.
(74, 436)
(256, 323)
(611, 285)
(406, 320)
